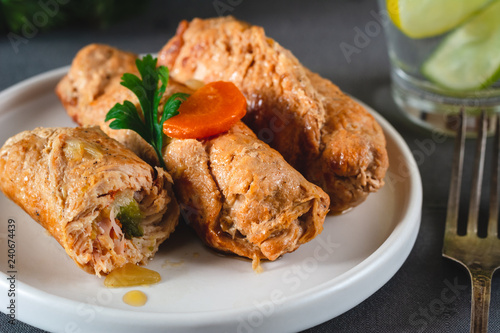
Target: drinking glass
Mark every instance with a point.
(419, 91)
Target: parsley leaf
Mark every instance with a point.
(147, 125)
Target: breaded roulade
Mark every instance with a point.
(239, 194)
(102, 203)
(332, 140)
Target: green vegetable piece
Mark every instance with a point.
(130, 217)
(148, 124)
(468, 58)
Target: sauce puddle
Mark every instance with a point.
(135, 298)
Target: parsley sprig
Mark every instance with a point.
(147, 124)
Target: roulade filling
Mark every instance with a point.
(129, 229)
(121, 226)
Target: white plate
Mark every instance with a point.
(355, 255)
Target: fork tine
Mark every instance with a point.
(477, 178)
(481, 256)
(456, 177)
(493, 215)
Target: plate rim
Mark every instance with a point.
(399, 243)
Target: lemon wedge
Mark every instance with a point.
(427, 18)
(468, 58)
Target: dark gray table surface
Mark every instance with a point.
(417, 298)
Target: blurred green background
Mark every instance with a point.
(16, 15)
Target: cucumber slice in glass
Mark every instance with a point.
(428, 18)
(469, 58)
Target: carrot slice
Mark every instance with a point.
(210, 110)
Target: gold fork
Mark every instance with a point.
(481, 256)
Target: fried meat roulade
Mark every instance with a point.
(331, 139)
(104, 205)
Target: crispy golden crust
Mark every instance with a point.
(64, 178)
(353, 159)
(237, 193)
(323, 133)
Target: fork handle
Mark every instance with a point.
(480, 303)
